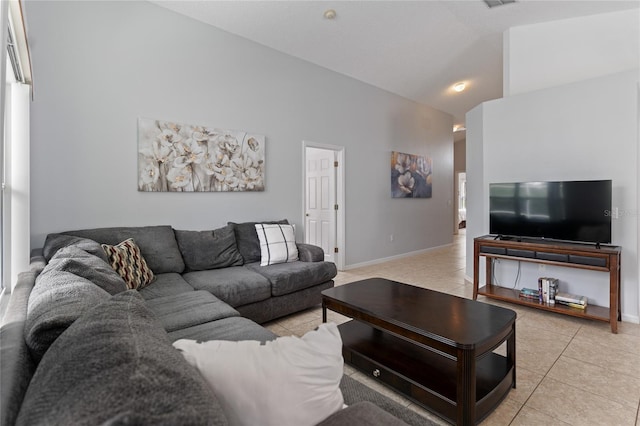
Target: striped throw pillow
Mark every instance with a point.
(277, 243)
(127, 261)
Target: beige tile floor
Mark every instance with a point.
(570, 371)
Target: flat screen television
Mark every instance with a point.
(567, 211)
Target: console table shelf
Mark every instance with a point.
(594, 312)
(581, 256)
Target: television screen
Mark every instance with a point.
(570, 211)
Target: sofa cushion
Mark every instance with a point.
(202, 250)
(55, 242)
(287, 278)
(56, 301)
(235, 285)
(247, 239)
(78, 262)
(116, 365)
(287, 381)
(157, 243)
(169, 284)
(276, 307)
(232, 328)
(277, 243)
(16, 365)
(125, 258)
(189, 309)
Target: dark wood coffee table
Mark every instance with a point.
(435, 348)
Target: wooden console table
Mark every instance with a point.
(604, 258)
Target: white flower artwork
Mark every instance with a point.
(174, 157)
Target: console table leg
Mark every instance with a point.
(489, 271)
(614, 292)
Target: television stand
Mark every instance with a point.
(604, 258)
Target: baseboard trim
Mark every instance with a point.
(396, 257)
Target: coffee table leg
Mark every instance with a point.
(466, 391)
(324, 312)
(511, 351)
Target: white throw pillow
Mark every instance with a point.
(288, 381)
(277, 243)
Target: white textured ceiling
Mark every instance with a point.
(416, 49)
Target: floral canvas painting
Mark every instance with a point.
(174, 157)
(410, 176)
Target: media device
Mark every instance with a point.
(568, 210)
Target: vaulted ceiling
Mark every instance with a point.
(416, 49)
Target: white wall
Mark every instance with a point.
(477, 198)
(580, 131)
(560, 52)
(98, 66)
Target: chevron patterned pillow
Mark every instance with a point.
(127, 261)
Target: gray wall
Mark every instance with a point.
(98, 66)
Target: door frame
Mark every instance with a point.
(339, 195)
(456, 198)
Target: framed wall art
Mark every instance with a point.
(176, 157)
(410, 176)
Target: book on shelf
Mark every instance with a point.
(571, 298)
(530, 294)
(553, 290)
(547, 288)
(573, 305)
(529, 291)
(534, 299)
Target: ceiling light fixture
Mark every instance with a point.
(494, 3)
(459, 128)
(459, 87)
(330, 14)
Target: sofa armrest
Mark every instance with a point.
(310, 253)
(17, 366)
(37, 262)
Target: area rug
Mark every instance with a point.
(354, 391)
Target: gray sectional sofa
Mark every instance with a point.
(78, 347)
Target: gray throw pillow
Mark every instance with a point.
(115, 365)
(55, 242)
(247, 239)
(203, 250)
(79, 262)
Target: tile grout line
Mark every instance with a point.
(524, 404)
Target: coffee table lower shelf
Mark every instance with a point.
(424, 375)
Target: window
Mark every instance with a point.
(14, 152)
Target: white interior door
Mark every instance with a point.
(320, 200)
